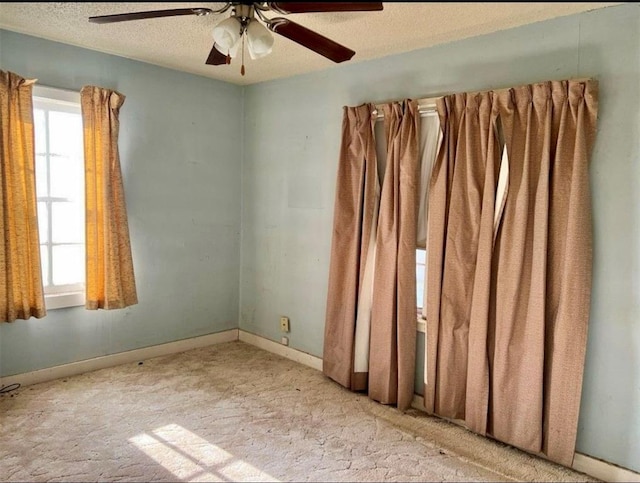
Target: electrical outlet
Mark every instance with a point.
(285, 341)
(284, 324)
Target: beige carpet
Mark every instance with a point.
(232, 412)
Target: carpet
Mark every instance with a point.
(233, 412)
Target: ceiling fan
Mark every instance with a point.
(244, 22)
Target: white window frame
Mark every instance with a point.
(71, 295)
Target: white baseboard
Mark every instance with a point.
(80, 367)
(281, 350)
(584, 464)
(603, 470)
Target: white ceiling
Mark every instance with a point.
(184, 43)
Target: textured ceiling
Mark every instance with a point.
(183, 43)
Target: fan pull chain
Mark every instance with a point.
(242, 68)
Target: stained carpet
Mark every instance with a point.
(232, 412)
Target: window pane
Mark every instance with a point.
(65, 134)
(68, 264)
(44, 263)
(43, 222)
(67, 222)
(421, 256)
(41, 176)
(67, 177)
(420, 285)
(40, 130)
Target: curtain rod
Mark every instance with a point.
(427, 105)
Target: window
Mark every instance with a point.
(420, 280)
(60, 194)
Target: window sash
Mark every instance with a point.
(47, 100)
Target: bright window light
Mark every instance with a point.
(60, 192)
(420, 273)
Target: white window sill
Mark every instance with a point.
(421, 325)
(62, 300)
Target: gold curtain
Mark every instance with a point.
(393, 312)
(110, 277)
(507, 319)
(353, 224)
(21, 292)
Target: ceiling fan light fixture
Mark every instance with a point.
(246, 17)
(259, 40)
(227, 35)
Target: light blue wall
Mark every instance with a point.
(292, 137)
(180, 150)
(180, 146)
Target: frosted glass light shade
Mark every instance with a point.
(259, 40)
(233, 51)
(226, 34)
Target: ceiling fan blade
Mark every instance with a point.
(121, 17)
(304, 7)
(216, 57)
(310, 39)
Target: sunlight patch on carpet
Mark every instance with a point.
(192, 458)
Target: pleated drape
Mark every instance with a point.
(21, 291)
(355, 213)
(393, 312)
(543, 263)
(430, 138)
(507, 318)
(461, 206)
(110, 277)
(371, 308)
